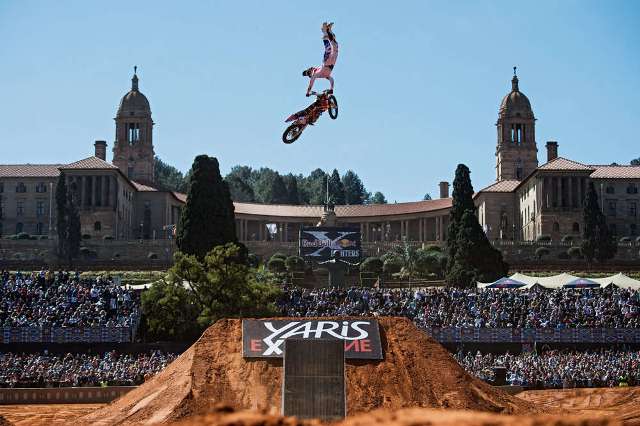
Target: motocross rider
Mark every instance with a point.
(328, 61)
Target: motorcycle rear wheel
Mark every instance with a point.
(333, 107)
(292, 133)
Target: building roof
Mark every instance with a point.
(180, 196)
(615, 172)
(563, 164)
(134, 103)
(515, 103)
(507, 185)
(143, 188)
(89, 163)
(368, 210)
(29, 170)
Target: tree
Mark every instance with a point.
(635, 162)
(263, 184)
(239, 180)
(597, 242)
(170, 312)
(222, 287)
(378, 198)
(208, 218)
(354, 190)
(426, 197)
(315, 186)
(478, 260)
(167, 177)
(278, 193)
(67, 222)
(336, 189)
(291, 182)
(475, 258)
(462, 202)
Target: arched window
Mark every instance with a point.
(19, 227)
(97, 226)
(576, 227)
(21, 187)
(556, 227)
(519, 171)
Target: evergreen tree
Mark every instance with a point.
(167, 177)
(462, 201)
(635, 162)
(471, 256)
(240, 184)
(336, 189)
(315, 185)
(263, 184)
(597, 242)
(208, 218)
(278, 192)
(378, 198)
(291, 182)
(67, 221)
(62, 219)
(426, 197)
(354, 190)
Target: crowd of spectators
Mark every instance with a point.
(611, 307)
(19, 370)
(558, 369)
(63, 299)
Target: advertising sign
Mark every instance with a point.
(265, 338)
(320, 243)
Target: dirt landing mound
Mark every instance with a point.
(416, 372)
(5, 422)
(403, 417)
(619, 403)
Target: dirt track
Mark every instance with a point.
(619, 403)
(45, 414)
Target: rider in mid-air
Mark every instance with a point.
(328, 61)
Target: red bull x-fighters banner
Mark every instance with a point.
(265, 338)
(322, 243)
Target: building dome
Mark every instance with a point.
(134, 103)
(515, 103)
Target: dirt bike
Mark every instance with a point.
(325, 101)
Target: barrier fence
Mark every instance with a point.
(62, 395)
(65, 334)
(530, 335)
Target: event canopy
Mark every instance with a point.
(562, 281)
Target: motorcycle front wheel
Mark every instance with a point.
(333, 107)
(292, 133)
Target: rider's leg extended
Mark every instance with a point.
(330, 81)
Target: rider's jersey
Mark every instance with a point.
(330, 52)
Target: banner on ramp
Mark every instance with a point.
(265, 338)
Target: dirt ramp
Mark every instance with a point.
(5, 422)
(619, 403)
(416, 372)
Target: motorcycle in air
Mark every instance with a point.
(325, 101)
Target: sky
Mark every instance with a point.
(418, 83)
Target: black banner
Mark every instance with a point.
(320, 243)
(265, 338)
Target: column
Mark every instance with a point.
(402, 229)
(361, 230)
(260, 231)
(438, 228)
(286, 231)
(558, 192)
(103, 185)
(82, 191)
(367, 225)
(420, 228)
(570, 192)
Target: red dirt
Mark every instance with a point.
(4, 422)
(416, 372)
(618, 403)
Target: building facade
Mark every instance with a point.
(120, 200)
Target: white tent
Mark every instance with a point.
(619, 280)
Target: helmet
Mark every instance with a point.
(307, 72)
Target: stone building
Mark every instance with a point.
(120, 200)
(116, 200)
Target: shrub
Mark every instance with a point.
(542, 252)
(575, 252)
(44, 237)
(23, 236)
(253, 260)
(152, 256)
(276, 265)
(294, 264)
(392, 265)
(563, 255)
(432, 247)
(372, 264)
(278, 255)
(567, 238)
(543, 238)
(107, 237)
(429, 262)
(86, 236)
(33, 237)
